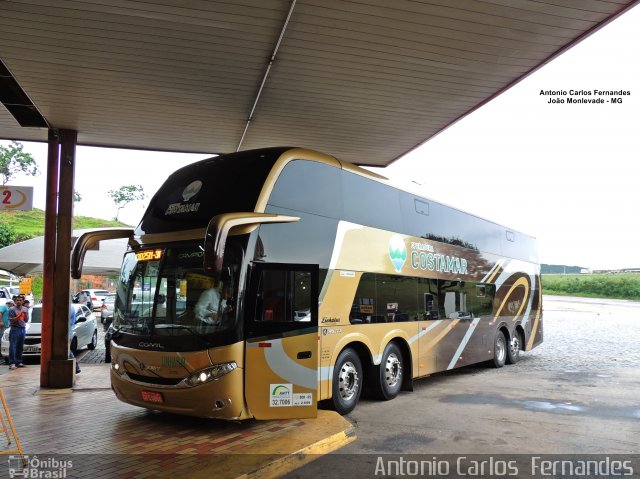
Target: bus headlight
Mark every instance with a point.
(117, 369)
(210, 374)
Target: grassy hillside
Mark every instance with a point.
(619, 285)
(29, 224)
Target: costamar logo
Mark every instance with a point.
(397, 252)
(176, 208)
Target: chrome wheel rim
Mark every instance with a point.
(348, 381)
(501, 350)
(392, 370)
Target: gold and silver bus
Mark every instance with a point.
(262, 282)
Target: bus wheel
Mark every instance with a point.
(513, 351)
(499, 350)
(389, 374)
(347, 382)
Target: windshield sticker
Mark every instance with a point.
(303, 399)
(280, 395)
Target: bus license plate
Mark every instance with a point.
(149, 396)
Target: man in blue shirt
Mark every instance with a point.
(18, 317)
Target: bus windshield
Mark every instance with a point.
(165, 292)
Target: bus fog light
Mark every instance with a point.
(221, 404)
(210, 374)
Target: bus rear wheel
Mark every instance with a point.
(513, 351)
(388, 380)
(499, 350)
(347, 382)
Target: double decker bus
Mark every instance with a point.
(261, 282)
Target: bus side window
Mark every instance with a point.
(271, 294)
(284, 296)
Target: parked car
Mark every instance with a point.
(106, 311)
(95, 297)
(9, 292)
(85, 332)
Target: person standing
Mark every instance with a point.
(72, 323)
(4, 320)
(18, 318)
(84, 298)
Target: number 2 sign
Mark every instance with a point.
(16, 197)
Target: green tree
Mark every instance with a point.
(14, 160)
(7, 235)
(125, 195)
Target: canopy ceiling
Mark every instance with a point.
(26, 257)
(365, 80)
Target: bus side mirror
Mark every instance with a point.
(90, 239)
(219, 227)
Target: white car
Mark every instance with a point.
(85, 332)
(8, 292)
(95, 297)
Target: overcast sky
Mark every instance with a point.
(568, 174)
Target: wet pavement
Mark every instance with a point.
(96, 356)
(576, 394)
(583, 334)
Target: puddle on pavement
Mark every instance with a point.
(554, 407)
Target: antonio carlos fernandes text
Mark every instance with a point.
(474, 467)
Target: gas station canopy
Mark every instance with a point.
(365, 80)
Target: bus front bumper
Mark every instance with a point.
(221, 398)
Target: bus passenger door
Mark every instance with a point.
(281, 334)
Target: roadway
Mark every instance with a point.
(575, 394)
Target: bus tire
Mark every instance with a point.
(347, 382)
(499, 350)
(388, 380)
(513, 351)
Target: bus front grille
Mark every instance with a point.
(151, 380)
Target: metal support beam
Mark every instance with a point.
(56, 369)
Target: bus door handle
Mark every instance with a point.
(304, 355)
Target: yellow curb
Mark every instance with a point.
(293, 448)
(51, 392)
(295, 460)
